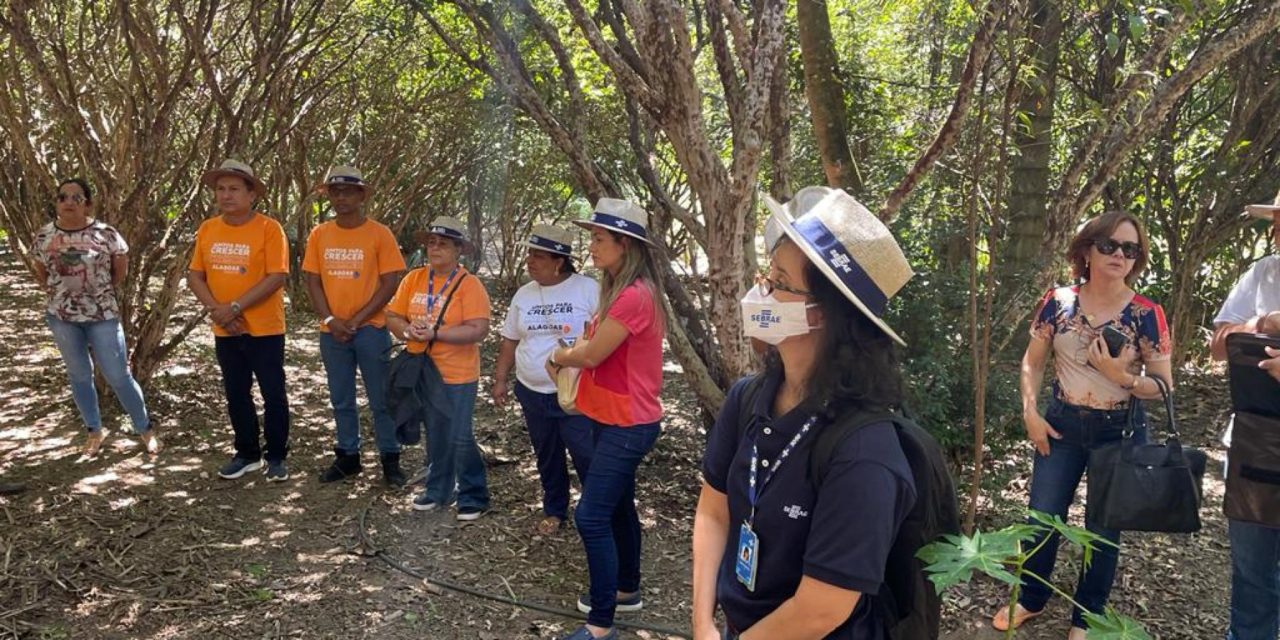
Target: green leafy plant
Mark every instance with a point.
(1000, 555)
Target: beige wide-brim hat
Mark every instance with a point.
(1262, 211)
(619, 216)
(847, 243)
(552, 239)
(343, 174)
(448, 227)
(230, 167)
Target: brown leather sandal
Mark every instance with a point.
(549, 525)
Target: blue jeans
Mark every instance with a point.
(550, 431)
(1054, 479)
(606, 515)
(1255, 581)
(365, 350)
(105, 338)
(453, 457)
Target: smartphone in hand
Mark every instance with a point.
(1115, 340)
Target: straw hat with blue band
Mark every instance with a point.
(848, 244)
(552, 239)
(343, 174)
(619, 216)
(230, 167)
(449, 227)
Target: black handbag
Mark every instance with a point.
(1146, 487)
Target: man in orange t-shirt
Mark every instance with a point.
(352, 265)
(239, 265)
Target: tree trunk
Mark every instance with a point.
(825, 94)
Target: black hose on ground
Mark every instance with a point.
(391, 561)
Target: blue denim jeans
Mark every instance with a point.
(1255, 581)
(607, 518)
(105, 339)
(366, 350)
(453, 457)
(550, 431)
(1054, 479)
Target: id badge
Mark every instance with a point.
(748, 554)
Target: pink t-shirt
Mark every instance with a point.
(623, 390)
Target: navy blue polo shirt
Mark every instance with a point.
(839, 533)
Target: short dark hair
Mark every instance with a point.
(82, 183)
(1101, 228)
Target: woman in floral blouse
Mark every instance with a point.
(1091, 393)
(79, 261)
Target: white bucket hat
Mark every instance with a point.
(343, 174)
(552, 239)
(848, 244)
(619, 216)
(230, 167)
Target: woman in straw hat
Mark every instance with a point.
(780, 556)
(443, 311)
(621, 362)
(550, 310)
(1092, 391)
(80, 261)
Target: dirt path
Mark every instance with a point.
(122, 548)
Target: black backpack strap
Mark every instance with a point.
(747, 402)
(830, 436)
(445, 307)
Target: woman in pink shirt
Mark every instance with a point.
(621, 361)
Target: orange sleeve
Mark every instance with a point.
(399, 304)
(311, 257)
(197, 254)
(277, 248)
(390, 259)
(475, 299)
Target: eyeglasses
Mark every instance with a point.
(1107, 246)
(74, 197)
(770, 286)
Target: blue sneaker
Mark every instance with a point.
(628, 604)
(277, 472)
(238, 467)
(582, 633)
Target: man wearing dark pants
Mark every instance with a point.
(1253, 306)
(353, 266)
(239, 265)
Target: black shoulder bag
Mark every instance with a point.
(1146, 487)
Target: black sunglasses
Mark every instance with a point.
(74, 197)
(1107, 246)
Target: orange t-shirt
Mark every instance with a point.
(349, 263)
(458, 363)
(234, 258)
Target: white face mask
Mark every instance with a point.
(770, 320)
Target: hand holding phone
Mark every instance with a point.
(1115, 340)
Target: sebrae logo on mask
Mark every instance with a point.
(765, 318)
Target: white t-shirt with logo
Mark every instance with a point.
(540, 316)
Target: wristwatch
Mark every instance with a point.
(235, 307)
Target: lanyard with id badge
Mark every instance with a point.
(748, 541)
